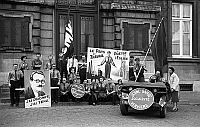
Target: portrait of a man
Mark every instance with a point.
(37, 83)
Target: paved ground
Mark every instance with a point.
(61, 115)
(83, 115)
(190, 97)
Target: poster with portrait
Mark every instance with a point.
(112, 63)
(37, 88)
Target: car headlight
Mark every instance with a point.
(155, 90)
(124, 95)
(130, 88)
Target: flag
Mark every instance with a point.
(159, 48)
(68, 40)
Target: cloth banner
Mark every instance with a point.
(159, 49)
(112, 63)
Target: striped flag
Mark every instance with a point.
(68, 40)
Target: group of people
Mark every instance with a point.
(136, 70)
(16, 76)
(172, 85)
(136, 73)
(97, 89)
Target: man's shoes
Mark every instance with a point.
(17, 105)
(175, 109)
(11, 105)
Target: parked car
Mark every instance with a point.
(144, 95)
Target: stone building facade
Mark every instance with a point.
(115, 24)
(27, 27)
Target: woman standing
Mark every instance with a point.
(174, 84)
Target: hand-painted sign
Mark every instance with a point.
(37, 88)
(112, 63)
(140, 99)
(77, 90)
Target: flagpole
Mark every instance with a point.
(67, 59)
(149, 47)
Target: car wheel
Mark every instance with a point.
(163, 111)
(124, 109)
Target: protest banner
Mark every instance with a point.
(78, 90)
(140, 98)
(112, 63)
(37, 88)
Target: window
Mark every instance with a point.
(15, 32)
(136, 36)
(108, 33)
(181, 30)
(86, 27)
(87, 33)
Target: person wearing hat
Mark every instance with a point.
(108, 60)
(55, 81)
(174, 84)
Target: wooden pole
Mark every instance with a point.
(149, 48)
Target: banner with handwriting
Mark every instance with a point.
(37, 88)
(113, 64)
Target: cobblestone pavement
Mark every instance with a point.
(95, 116)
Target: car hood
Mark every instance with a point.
(144, 84)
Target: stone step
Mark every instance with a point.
(4, 95)
(4, 90)
(7, 99)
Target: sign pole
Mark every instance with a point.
(149, 48)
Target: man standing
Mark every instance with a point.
(82, 69)
(72, 63)
(48, 65)
(23, 66)
(55, 81)
(174, 84)
(14, 77)
(139, 70)
(131, 69)
(37, 63)
(63, 66)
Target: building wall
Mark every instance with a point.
(112, 32)
(188, 69)
(42, 34)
